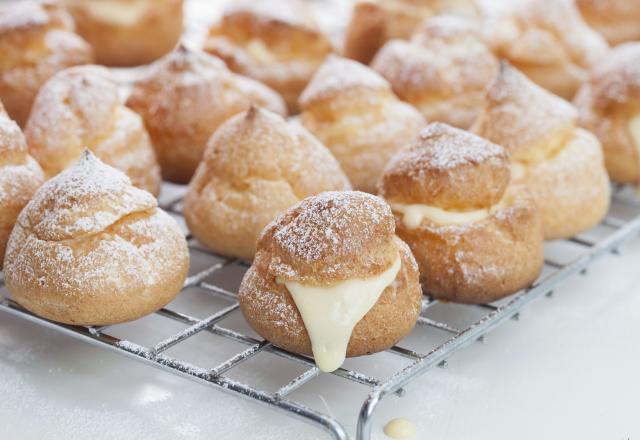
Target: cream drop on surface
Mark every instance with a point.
(400, 429)
(330, 313)
(414, 214)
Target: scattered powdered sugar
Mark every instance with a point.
(21, 15)
(617, 79)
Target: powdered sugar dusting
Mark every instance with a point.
(617, 79)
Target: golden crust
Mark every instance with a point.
(353, 111)
(268, 306)
(20, 177)
(154, 30)
(616, 20)
(548, 41)
(184, 99)
(607, 102)
(80, 108)
(256, 165)
(274, 41)
(561, 165)
(447, 168)
(36, 41)
(443, 71)
(91, 249)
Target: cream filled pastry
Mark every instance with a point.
(609, 106)
(128, 32)
(617, 20)
(183, 99)
(476, 239)
(442, 71)
(332, 280)
(354, 112)
(560, 163)
(276, 42)
(374, 22)
(20, 176)
(92, 249)
(37, 39)
(80, 108)
(256, 165)
(548, 41)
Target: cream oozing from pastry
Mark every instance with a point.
(413, 215)
(259, 51)
(117, 12)
(634, 131)
(330, 313)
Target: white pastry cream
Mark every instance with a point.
(634, 130)
(414, 214)
(400, 429)
(116, 11)
(330, 313)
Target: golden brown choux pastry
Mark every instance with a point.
(374, 22)
(475, 238)
(331, 279)
(617, 20)
(560, 163)
(274, 41)
(443, 71)
(80, 108)
(256, 165)
(128, 32)
(185, 96)
(353, 111)
(20, 176)
(548, 41)
(609, 106)
(92, 249)
(36, 41)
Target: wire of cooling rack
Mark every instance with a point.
(618, 230)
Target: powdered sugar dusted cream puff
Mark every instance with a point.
(475, 238)
(36, 41)
(331, 278)
(609, 106)
(128, 32)
(274, 41)
(184, 98)
(255, 167)
(80, 108)
(20, 176)
(91, 249)
(374, 22)
(560, 163)
(616, 20)
(548, 41)
(354, 112)
(443, 71)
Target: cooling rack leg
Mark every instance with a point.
(363, 431)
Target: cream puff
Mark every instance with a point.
(256, 165)
(276, 42)
(20, 176)
(354, 112)
(183, 99)
(609, 106)
(475, 238)
(36, 41)
(80, 108)
(443, 71)
(92, 249)
(128, 32)
(548, 41)
(331, 279)
(560, 163)
(617, 20)
(374, 22)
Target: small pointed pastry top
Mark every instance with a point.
(83, 200)
(520, 115)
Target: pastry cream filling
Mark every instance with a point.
(414, 214)
(117, 12)
(634, 130)
(330, 313)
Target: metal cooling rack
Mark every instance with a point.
(622, 222)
